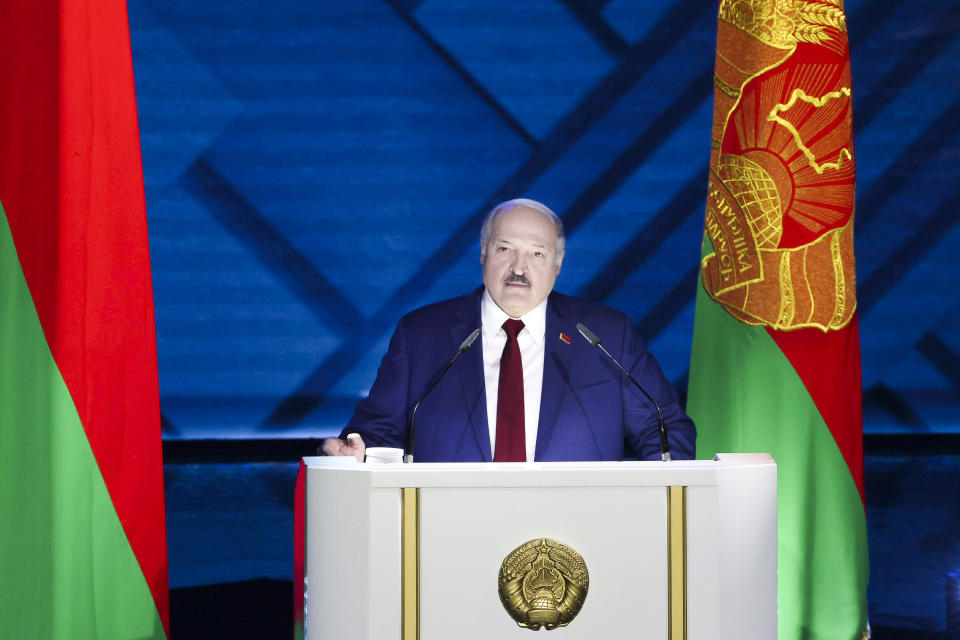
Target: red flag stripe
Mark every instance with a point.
(72, 187)
(829, 366)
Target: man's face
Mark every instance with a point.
(520, 262)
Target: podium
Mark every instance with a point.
(684, 549)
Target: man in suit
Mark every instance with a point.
(531, 388)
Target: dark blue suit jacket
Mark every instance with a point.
(587, 407)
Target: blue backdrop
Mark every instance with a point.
(315, 170)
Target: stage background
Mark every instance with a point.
(316, 169)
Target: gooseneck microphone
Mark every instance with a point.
(595, 341)
(411, 428)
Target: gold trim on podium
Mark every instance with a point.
(677, 562)
(410, 563)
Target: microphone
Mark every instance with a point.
(595, 341)
(411, 428)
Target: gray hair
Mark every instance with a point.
(509, 205)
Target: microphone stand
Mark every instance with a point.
(592, 338)
(411, 428)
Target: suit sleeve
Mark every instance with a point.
(381, 417)
(640, 416)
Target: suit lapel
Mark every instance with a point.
(471, 375)
(557, 356)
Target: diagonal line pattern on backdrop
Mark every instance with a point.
(588, 15)
(909, 253)
(688, 200)
(944, 359)
(650, 139)
(475, 85)
(270, 247)
(868, 19)
(680, 295)
(909, 66)
(592, 106)
(908, 165)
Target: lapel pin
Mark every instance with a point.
(564, 338)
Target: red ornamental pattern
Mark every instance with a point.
(780, 200)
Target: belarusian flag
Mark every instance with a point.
(776, 354)
(82, 533)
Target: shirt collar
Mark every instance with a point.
(492, 318)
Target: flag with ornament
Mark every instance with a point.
(776, 353)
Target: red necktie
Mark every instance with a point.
(510, 440)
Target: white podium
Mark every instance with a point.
(673, 550)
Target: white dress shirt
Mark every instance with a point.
(531, 341)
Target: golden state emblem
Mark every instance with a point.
(543, 583)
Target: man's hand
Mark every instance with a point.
(352, 446)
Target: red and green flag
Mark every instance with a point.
(82, 532)
(776, 352)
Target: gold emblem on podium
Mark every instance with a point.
(543, 583)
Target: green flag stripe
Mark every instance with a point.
(746, 397)
(68, 568)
